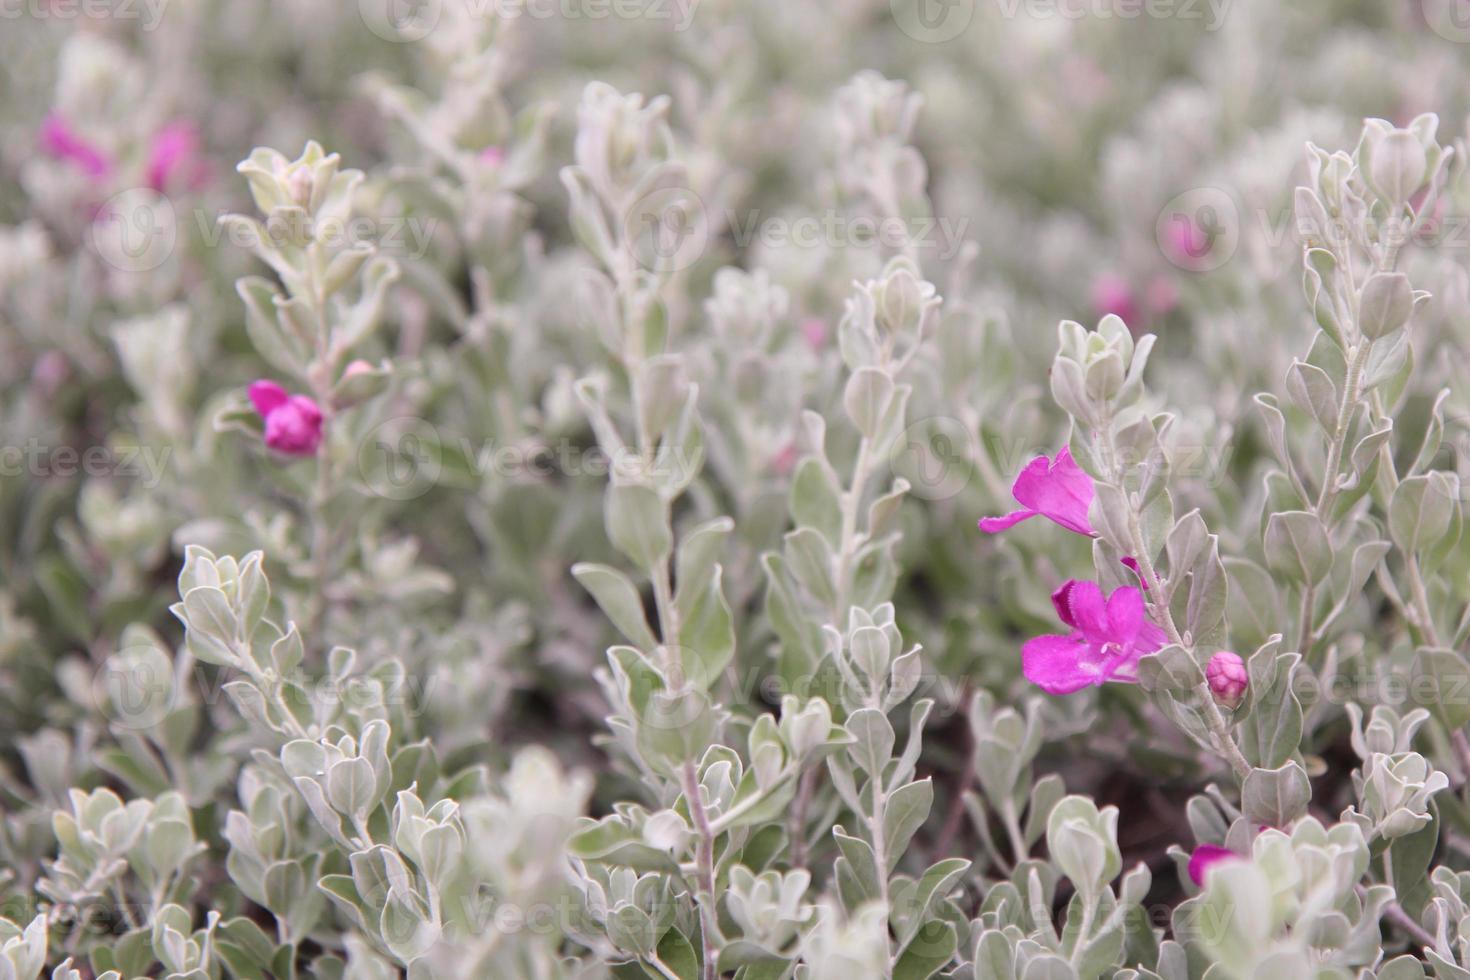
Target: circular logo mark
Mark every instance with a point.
(936, 456)
(932, 21)
(401, 458)
(401, 21)
(1199, 230)
(135, 231)
(669, 229)
(1450, 19)
(135, 687)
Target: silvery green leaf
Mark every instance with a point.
(1276, 797)
(1313, 392)
(638, 524)
(1420, 512)
(1297, 546)
(872, 744)
(707, 636)
(699, 549)
(816, 500)
(618, 598)
(1385, 302)
(866, 398)
(907, 808)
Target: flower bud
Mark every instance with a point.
(1228, 678)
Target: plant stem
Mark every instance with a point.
(1219, 728)
(704, 858)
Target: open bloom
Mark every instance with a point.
(1204, 858)
(293, 423)
(1057, 489)
(1109, 636)
(61, 142)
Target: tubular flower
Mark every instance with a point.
(174, 159)
(1109, 636)
(1056, 489)
(1205, 857)
(293, 423)
(60, 141)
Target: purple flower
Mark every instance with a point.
(60, 142)
(1205, 857)
(293, 423)
(1109, 636)
(1056, 489)
(174, 158)
(1228, 677)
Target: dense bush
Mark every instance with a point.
(519, 528)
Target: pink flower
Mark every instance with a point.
(1112, 294)
(60, 142)
(492, 156)
(1205, 857)
(1228, 677)
(293, 423)
(174, 158)
(1058, 490)
(1109, 637)
(814, 332)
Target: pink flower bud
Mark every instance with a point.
(1206, 856)
(357, 367)
(293, 423)
(1228, 678)
(492, 156)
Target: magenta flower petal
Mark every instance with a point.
(1061, 600)
(174, 158)
(1125, 611)
(1089, 610)
(1056, 489)
(1057, 664)
(293, 423)
(1205, 857)
(1111, 634)
(992, 525)
(58, 141)
(267, 396)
